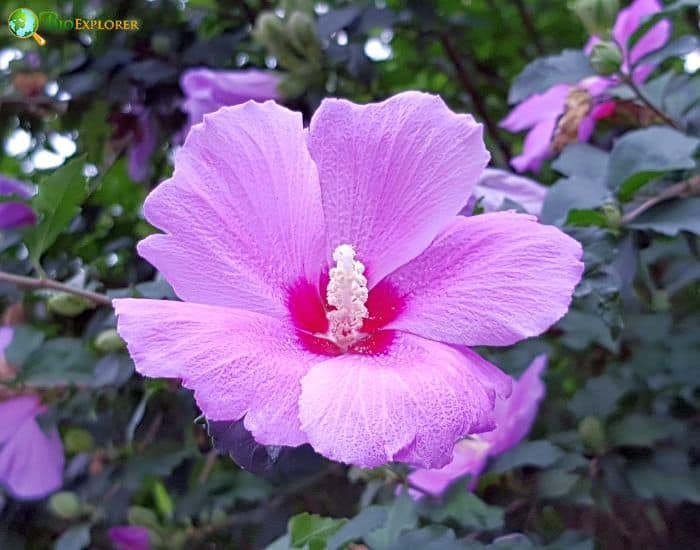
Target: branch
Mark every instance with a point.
(470, 88)
(35, 284)
(529, 25)
(685, 188)
(644, 99)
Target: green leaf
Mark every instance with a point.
(57, 203)
(649, 482)
(25, 341)
(58, 362)
(432, 537)
(670, 218)
(367, 520)
(639, 156)
(582, 159)
(640, 430)
(468, 510)
(75, 538)
(313, 531)
(598, 397)
(401, 517)
(556, 483)
(568, 67)
(586, 218)
(530, 453)
(576, 192)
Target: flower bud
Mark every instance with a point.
(302, 35)
(613, 215)
(78, 440)
(145, 517)
(109, 341)
(68, 305)
(591, 431)
(65, 505)
(597, 16)
(606, 58)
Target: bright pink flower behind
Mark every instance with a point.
(129, 537)
(497, 186)
(540, 112)
(514, 418)
(15, 214)
(329, 286)
(207, 90)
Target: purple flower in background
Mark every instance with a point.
(129, 537)
(496, 186)
(514, 418)
(208, 90)
(540, 113)
(31, 461)
(328, 280)
(15, 214)
(145, 141)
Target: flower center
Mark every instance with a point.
(347, 293)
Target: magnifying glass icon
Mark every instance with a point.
(24, 23)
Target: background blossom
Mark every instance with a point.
(514, 418)
(540, 113)
(15, 214)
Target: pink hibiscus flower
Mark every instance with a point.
(514, 418)
(540, 113)
(330, 289)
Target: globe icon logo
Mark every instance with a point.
(24, 23)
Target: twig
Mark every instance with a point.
(208, 467)
(685, 188)
(471, 89)
(39, 283)
(529, 25)
(644, 99)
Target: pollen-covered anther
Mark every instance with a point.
(347, 293)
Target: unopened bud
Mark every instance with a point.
(275, 35)
(68, 305)
(145, 517)
(613, 215)
(109, 341)
(302, 35)
(606, 58)
(597, 16)
(591, 431)
(65, 505)
(78, 440)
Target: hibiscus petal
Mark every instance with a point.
(237, 362)
(516, 414)
(537, 108)
(242, 212)
(627, 23)
(495, 186)
(468, 458)
(409, 404)
(536, 147)
(491, 280)
(392, 173)
(31, 461)
(14, 412)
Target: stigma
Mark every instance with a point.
(347, 295)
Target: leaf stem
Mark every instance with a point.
(33, 283)
(644, 99)
(685, 188)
